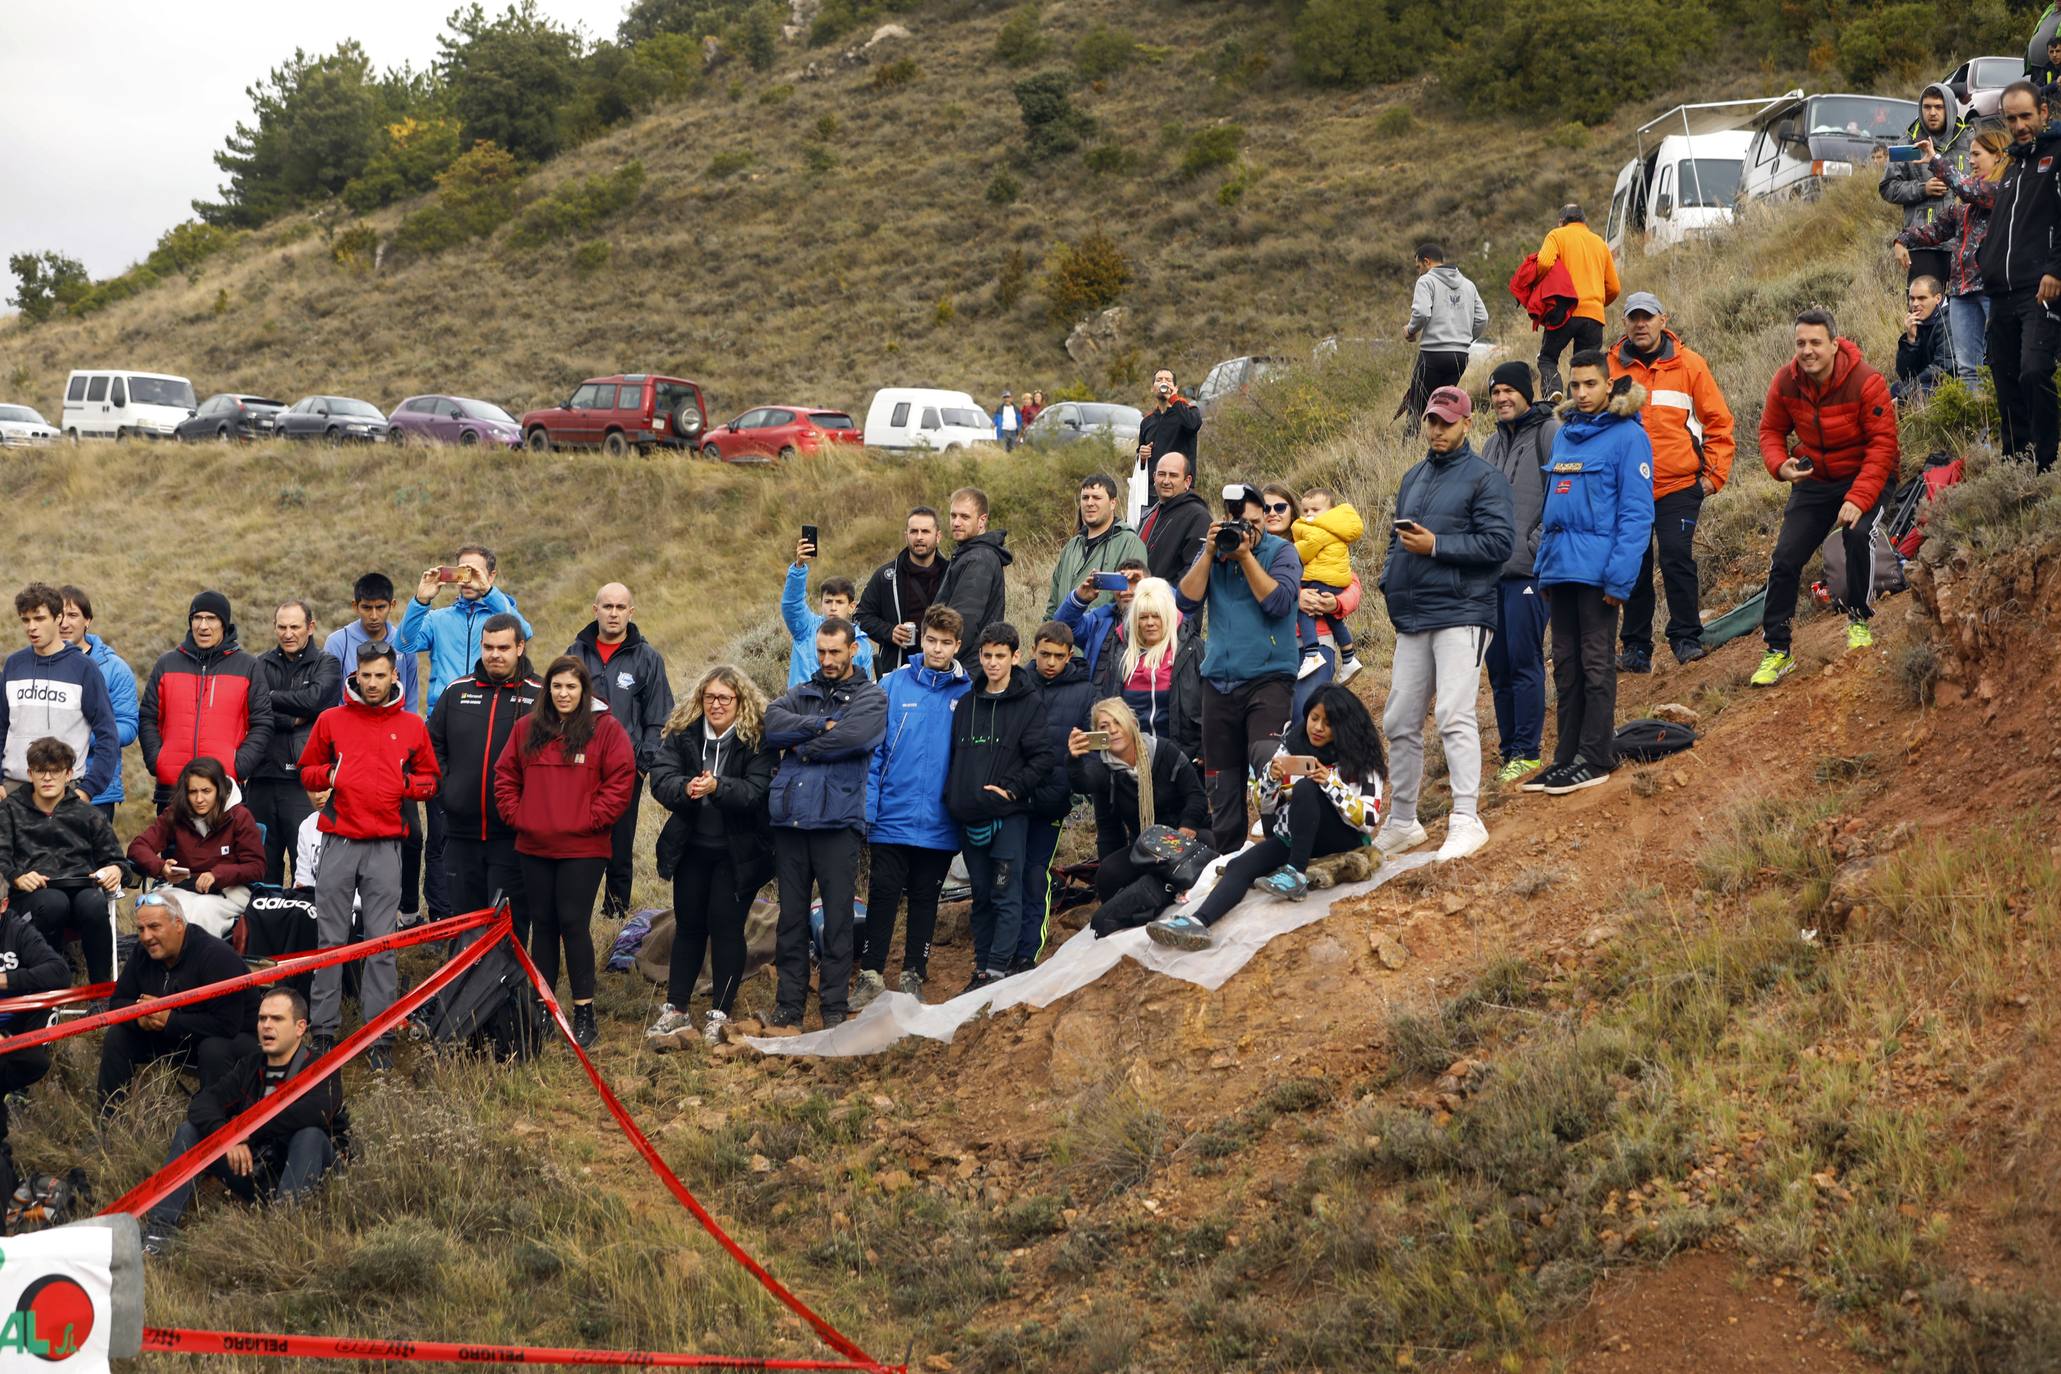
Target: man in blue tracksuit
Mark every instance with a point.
(838, 597)
(1068, 694)
(76, 625)
(827, 729)
(52, 689)
(1592, 535)
(910, 835)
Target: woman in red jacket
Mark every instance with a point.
(563, 779)
(205, 845)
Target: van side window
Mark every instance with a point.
(97, 392)
(900, 416)
(77, 390)
(930, 420)
(119, 395)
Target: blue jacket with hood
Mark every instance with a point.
(905, 784)
(1599, 497)
(451, 634)
(802, 624)
(128, 710)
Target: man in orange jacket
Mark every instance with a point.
(1691, 429)
(1587, 258)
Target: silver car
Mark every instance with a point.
(21, 426)
(1063, 422)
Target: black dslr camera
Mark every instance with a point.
(1235, 526)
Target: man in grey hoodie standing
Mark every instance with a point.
(1516, 658)
(1446, 316)
(1911, 184)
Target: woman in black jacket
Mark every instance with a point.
(1136, 782)
(712, 771)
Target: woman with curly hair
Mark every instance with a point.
(712, 771)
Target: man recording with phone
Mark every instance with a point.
(1100, 544)
(1169, 427)
(1248, 579)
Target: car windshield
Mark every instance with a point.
(833, 419)
(1114, 416)
(161, 391)
(1708, 180)
(20, 415)
(969, 419)
(1990, 73)
(486, 410)
(1861, 116)
(344, 405)
(267, 401)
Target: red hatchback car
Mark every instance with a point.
(779, 432)
(617, 414)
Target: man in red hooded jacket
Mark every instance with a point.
(370, 755)
(1844, 421)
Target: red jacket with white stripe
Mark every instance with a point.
(1847, 428)
(1685, 415)
(372, 758)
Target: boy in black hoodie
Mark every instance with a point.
(1001, 754)
(28, 965)
(1066, 693)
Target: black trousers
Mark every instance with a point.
(1579, 334)
(708, 916)
(1314, 828)
(919, 873)
(807, 861)
(475, 870)
(128, 1047)
(2023, 338)
(615, 893)
(560, 893)
(1434, 369)
(1674, 534)
(18, 1071)
(81, 911)
(1812, 512)
(1584, 676)
(1241, 729)
(1129, 896)
(279, 805)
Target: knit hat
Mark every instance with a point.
(1517, 376)
(212, 603)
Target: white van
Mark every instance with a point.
(122, 405)
(1801, 139)
(1686, 178)
(924, 417)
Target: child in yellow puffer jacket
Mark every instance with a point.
(1323, 538)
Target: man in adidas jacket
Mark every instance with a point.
(53, 690)
(467, 731)
(2021, 273)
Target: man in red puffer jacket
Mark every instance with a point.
(370, 756)
(204, 698)
(1844, 421)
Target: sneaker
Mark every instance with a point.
(1575, 777)
(671, 1021)
(323, 1042)
(157, 1240)
(1775, 665)
(868, 986)
(1689, 650)
(379, 1058)
(1178, 932)
(1464, 835)
(1021, 965)
(585, 1032)
(407, 920)
(1515, 769)
(1540, 781)
(1348, 670)
(712, 1027)
(979, 980)
(911, 984)
(1310, 664)
(785, 1020)
(1859, 636)
(833, 1019)
(1285, 881)
(1400, 839)
(1635, 661)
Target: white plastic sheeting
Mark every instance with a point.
(1079, 962)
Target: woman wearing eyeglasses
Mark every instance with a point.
(713, 772)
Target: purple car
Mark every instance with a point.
(454, 420)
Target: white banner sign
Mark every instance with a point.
(56, 1296)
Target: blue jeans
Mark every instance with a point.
(1516, 663)
(1968, 326)
(996, 869)
(1306, 688)
(1041, 838)
(289, 1172)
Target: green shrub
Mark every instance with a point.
(1394, 122)
(892, 76)
(1085, 277)
(1234, 188)
(1216, 146)
(826, 127)
(1603, 55)
(591, 257)
(731, 163)
(1573, 135)
(478, 190)
(1103, 51)
(426, 232)
(1350, 43)
(1240, 62)
(776, 95)
(355, 248)
(1050, 122)
(1003, 189)
(1893, 43)
(1110, 157)
(817, 159)
(578, 206)
(1020, 41)
(1011, 280)
(182, 248)
(414, 151)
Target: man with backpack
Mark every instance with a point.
(467, 731)
(630, 677)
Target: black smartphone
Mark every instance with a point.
(1803, 464)
(809, 538)
(1406, 524)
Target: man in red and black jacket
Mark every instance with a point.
(370, 756)
(1844, 422)
(205, 698)
(471, 723)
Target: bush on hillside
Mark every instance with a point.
(1012, 279)
(1003, 188)
(508, 76)
(1103, 51)
(1111, 159)
(1893, 43)
(1216, 146)
(892, 76)
(44, 282)
(578, 206)
(840, 17)
(355, 249)
(1602, 55)
(1085, 277)
(475, 196)
(413, 152)
(1050, 122)
(1351, 43)
(731, 163)
(1020, 41)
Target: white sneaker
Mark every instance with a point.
(670, 1021)
(1348, 670)
(1464, 835)
(1310, 664)
(867, 986)
(712, 1027)
(1397, 839)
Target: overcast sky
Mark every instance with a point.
(110, 110)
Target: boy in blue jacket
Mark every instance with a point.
(838, 598)
(1594, 531)
(912, 837)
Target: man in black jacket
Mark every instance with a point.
(1068, 694)
(899, 592)
(1925, 350)
(210, 1036)
(2021, 272)
(974, 584)
(303, 682)
(284, 1158)
(1173, 528)
(630, 675)
(28, 965)
(1169, 427)
(471, 722)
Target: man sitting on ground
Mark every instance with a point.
(209, 1036)
(285, 1157)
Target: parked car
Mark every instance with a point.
(921, 417)
(114, 404)
(1979, 82)
(231, 415)
(1063, 422)
(1685, 180)
(1801, 139)
(334, 419)
(454, 420)
(779, 432)
(20, 425)
(630, 410)
(1232, 376)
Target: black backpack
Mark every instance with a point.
(1643, 741)
(492, 1007)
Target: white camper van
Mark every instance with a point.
(924, 417)
(1685, 180)
(1801, 139)
(122, 405)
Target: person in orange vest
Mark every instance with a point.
(1691, 428)
(1587, 259)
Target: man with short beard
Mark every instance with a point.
(303, 682)
(467, 731)
(900, 591)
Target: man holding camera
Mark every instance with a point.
(1248, 579)
(1169, 427)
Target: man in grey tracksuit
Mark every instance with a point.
(1516, 662)
(1446, 316)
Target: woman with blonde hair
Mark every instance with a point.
(1134, 781)
(1158, 672)
(1964, 222)
(712, 771)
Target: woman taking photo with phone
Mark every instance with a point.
(205, 846)
(564, 778)
(712, 772)
(1321, 794)
(1134, 781)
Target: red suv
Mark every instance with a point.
(619, 413)
(779, 432)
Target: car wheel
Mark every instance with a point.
(787, 453)
(399, 437)
(222, 433)
(468, 438)
(709, 450)
(539, 440)
(121, 436)
(332, 437)
(71, 436)
(615, 445)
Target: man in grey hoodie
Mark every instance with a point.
(1446, 315)
(1912, 185)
